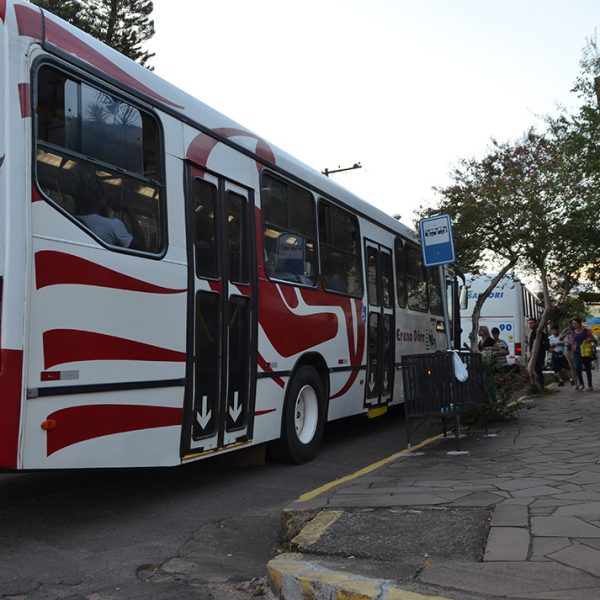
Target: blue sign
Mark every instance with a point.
(436, 240)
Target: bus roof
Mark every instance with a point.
(63, 39)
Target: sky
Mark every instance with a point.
(406, 88)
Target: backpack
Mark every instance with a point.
(586, 349)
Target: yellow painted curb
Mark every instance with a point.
(315, 528)
(292, 577)
(365, 470)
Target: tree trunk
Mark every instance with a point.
(537, 344)
(112, 22)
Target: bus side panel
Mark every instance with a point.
(140, 429)
(107, 344)
(15, 128)
(502, 309)
(415, 334)
(296, 321)
(268, 408)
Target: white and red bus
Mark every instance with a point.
(172, 286)
(508, 307)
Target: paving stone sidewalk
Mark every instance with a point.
(536, 490)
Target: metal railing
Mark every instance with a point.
(431, 388)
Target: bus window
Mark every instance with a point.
(289, 232)
(372, 289)
(205, 230)
(387, 280)
(340, 250)
(415, 279)
(435, 291)
(237, 228)
(400, 272)
(97, 159)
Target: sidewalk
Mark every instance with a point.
(517, 517)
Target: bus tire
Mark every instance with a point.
(303, 420)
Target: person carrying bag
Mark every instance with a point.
(583, 352)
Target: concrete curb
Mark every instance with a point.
(293, 578)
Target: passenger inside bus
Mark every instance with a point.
(289, 259)
(102, 220)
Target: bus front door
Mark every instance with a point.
(380, 350)
(219, 405)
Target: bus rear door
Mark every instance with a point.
(380, 292)
(219, 406)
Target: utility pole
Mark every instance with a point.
(328, 172)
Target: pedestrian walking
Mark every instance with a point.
(583, 352)
(559, 363)
(565, 336)
(487, 346)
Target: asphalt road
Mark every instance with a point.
(203, 531)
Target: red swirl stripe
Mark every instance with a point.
(29, 21)
(10, 396)
(202, 145)
(25, 99)
(59, 268)
(264, 365)
(79, 423)
(71, 345)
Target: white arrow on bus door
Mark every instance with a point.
(203, 417)
(371, 381)
(385, 380)
(236, 409)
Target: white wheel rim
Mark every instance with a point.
(306, 414)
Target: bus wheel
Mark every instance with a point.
(304, 414)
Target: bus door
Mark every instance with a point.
(219, 405)
(380, 298)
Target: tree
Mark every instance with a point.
(533, 203)
(122, 24)
(125, 25)
(578, 137)
(521, 204)
(485, 217)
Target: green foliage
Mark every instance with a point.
(497, 412)
(122, 24)
(573, 306)
(125, 25)
(535, 200)
(578, 139)
(508, 385)
(483, 207)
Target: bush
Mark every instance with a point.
(510, 382)
(505, 386)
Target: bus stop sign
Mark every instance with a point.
(436, 240)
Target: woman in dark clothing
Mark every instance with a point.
(487, 341)
(581, 335)
(487, 346)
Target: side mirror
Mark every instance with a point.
(463, 301)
